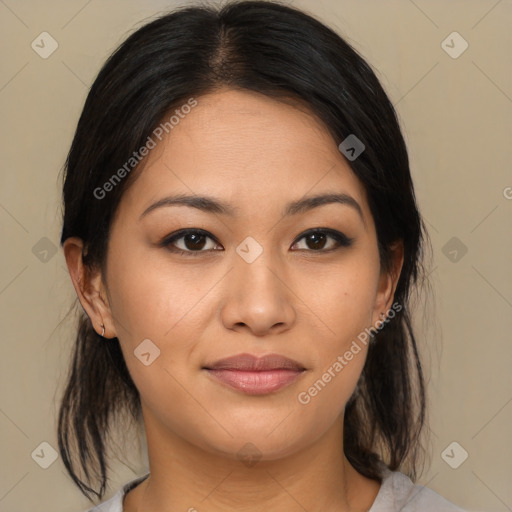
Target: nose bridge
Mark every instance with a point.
(258, 296)
(255, 269)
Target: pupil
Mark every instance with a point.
(318, 240)
(196, 241)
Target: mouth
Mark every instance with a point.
(254, 375)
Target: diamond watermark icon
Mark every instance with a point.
(44, 250)
(249, 454)
(454, 249)
(146, 352)
(44, 45)
(249, 249)
(454, 45)
(454, 455)
(351, 147)
(45, 455)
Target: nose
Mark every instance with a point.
(258, 298)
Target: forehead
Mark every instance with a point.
(247, 149)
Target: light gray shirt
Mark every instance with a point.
(397, 494)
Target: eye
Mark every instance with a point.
(192, 242)
(315, 240)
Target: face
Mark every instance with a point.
(204, 283)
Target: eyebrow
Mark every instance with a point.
(212, 205)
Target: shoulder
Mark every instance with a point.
(399, 493)
(115, 503)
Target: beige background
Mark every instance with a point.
(456, 115)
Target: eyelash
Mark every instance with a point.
(340, 238)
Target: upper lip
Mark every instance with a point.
(248, 362)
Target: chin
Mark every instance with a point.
(257, 444)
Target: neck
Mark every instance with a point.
(188, 478)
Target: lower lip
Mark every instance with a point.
(256, 383)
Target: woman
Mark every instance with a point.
(241, 230)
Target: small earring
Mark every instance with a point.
(103, 332)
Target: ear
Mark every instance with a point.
(388, 282)
(89, 287)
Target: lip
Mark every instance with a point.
(248, 362)
(254, 375)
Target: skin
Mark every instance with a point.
(296, 300)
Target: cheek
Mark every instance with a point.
(159, 304)
(344, 301)
(323, 396)
(152, 298)
(343, 298)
